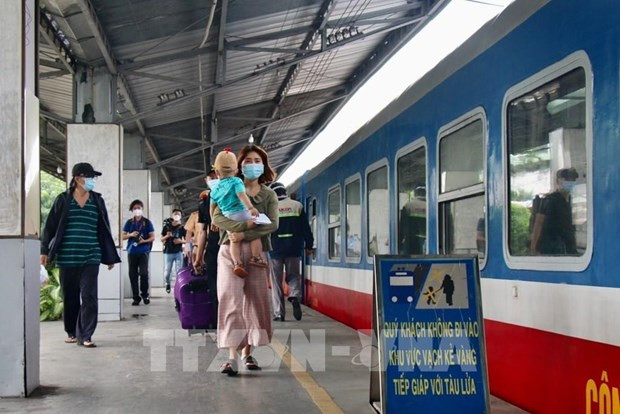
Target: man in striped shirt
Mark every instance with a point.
(77, 235)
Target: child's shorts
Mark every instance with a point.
(243, 215)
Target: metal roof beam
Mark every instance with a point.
(268, 69)
(165, 78)
(219, 77)
(245, 133)
(176, 167)
(306, 46)
(268, 49)
(165, 58)
(54, 74)
(93, 23)
(52, 64)
(50, 38)
(187, 180)
(337, 23)
(243, 118)
(193, 141)
(51, 115)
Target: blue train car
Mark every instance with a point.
(507, 149)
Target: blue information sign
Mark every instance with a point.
(430, 335)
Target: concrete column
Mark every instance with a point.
(157, 254)
(133, 153)
(19, 206)
(136, 185)
(102, 146)
(95, 95)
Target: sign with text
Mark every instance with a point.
(430, 335)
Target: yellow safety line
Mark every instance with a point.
(321, 398)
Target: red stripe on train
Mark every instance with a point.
(347, 306)
(539, 371)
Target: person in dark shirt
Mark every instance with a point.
(77, 235)
(173, 237)
(289, 242)
(553, 233)
(139, 233)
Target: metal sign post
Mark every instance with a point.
(429, 328)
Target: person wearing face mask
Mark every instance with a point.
(77, 235)
(229, 195)
(244, 313)
(173, 237)
(553, 232)
(139, 233)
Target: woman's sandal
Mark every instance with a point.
(258, 261)
(87, 344)
(230, 368)
(70, 340)
(250, 363)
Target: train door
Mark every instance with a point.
(412, 204)
(309, 260)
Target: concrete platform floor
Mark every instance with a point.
(147, 364)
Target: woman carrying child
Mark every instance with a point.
(244, 314)
(229, 195)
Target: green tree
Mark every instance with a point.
(50, 297)
(519, 230)
(50, 188)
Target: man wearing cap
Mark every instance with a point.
(288, 242)
(553, 232)
(77, 235)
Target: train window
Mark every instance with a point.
(548, 164)
(378, 211)
(460, 160)
(333, 225)
(353, 219)
(462, 226)
(411, 171)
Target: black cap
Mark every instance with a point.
(85, 169)
(567, 173)
(280, 190)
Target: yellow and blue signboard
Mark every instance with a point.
(430, 335)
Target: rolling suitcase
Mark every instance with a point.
(193, 302)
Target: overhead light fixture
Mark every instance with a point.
(59, 170)
(251, 139)
(343, 34)
(167, 97)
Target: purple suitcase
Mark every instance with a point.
(193, 301)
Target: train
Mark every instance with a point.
(456, 164)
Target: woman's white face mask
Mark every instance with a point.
(137, 212)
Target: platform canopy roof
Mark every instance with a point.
(197, 76)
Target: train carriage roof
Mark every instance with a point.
(489, 34)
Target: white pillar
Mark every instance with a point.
(102, 146)
(20, 203)
(136, 185)
(157, 254)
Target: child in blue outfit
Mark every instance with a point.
(229, 195)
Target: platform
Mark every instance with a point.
(129, 371)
